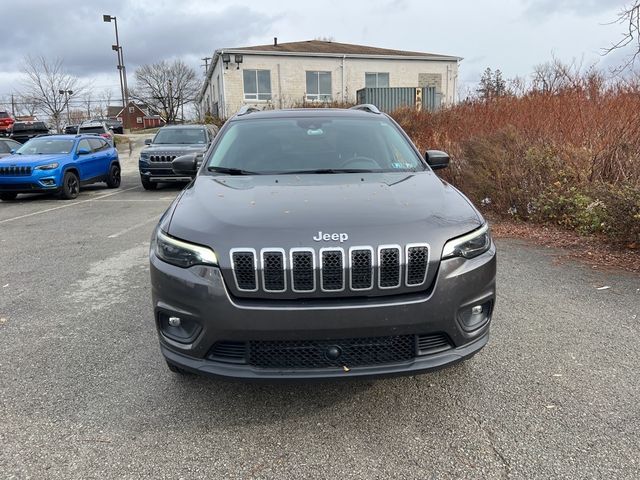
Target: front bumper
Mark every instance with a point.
(40, 181)
(162, 175)
(198, 295)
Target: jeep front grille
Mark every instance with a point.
(305, 270)
(161, 158)
(14, 171)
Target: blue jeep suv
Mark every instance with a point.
(59, 164)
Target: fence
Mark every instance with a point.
(389, 99)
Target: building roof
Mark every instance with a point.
(323, 46)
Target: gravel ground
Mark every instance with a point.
(84, 392)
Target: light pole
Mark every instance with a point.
(121, 68)
(66, 94)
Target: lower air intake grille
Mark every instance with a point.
(430, 344)
(231, 352)
(352, 352)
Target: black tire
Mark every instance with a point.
(176, 369)
(8, 196)
(113, 177)
(148, 185)
(70, 186)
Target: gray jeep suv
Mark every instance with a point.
(170, 142)
(318, 244)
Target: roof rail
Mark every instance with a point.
(367, 107)
(246, 109)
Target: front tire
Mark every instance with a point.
(70, 186)
(113, 178)
(147, 184)
(8, 196)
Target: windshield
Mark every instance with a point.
(186, 136)
(314, 145)
(46, 146)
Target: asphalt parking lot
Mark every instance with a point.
(84, 392)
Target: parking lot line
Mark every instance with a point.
(6, 220)
(127, 230)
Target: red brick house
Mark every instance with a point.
(136, 116)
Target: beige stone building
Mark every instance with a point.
(288, 74)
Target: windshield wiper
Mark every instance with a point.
(330, 170)
(231, 171)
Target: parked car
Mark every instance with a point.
(6, 121)
(114, 125)
(171, 142)
(97, 128)
(7, 146)
(71, 129)
(26, 130)
(60, 164)
(319, 243)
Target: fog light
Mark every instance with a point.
(181, 329)
(475, 317)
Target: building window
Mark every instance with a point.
(257, 84)
(131, 109)
(319, 86)
(376, 79)
(138, 119)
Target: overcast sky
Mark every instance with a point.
(513, 35)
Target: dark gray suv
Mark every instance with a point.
(170, 142)
(318, 244)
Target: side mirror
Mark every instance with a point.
(185, 165)
(436, 159)
(13, 150)
(83, 151)
(147, 141)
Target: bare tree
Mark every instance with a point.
(629, 16)
(27, 105)
(166, 87)
(44, 79)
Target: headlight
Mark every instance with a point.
(48, 166)
(182, 254)
(470, 245)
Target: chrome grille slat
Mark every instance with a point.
(417, 262)
(303, 270)
(273, 266)
(361, 268)
(332, 269)
(389, 266)
(276, 270)
(245, 269)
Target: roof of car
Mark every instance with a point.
(306, 112)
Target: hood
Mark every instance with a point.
(288, 211)
(173, 148)
(30, 160)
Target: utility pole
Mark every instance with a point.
(170, 113)
(206, 64)
(13, 106)
(66, 94)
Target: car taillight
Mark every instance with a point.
(105, 135)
